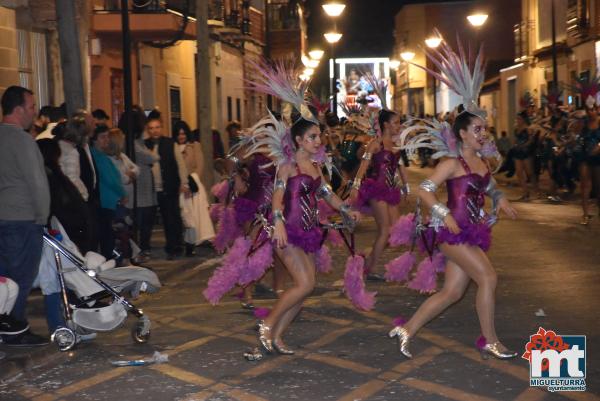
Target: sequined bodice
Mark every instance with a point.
(384, 166)
(466, 196)
(260, 181)
(300, 201)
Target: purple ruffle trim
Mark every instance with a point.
(309, 241)
(473, 234)
(371, 189)
(245, 209)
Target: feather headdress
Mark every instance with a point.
(430, 134)
(587, 88)
(553, 97)
(379, 87)
(459, 73)
(526, 100)
(282, 81)
(272, 134)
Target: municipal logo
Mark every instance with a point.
(556, 361)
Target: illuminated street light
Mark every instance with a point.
(316, 54)
(477, 20)
(332, 37)
(433, 42)
(308, 62)
(407, 56)
(309, 72)
(394, 64)
(334, 9)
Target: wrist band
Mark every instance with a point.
(325, 191)
(278, 215)
(439, 211)
(279, 184)
(356, 183)
(428, 186)
(367, 156)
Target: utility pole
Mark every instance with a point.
(127, 85)
(203, 90)
(70, 55)
(554, 56)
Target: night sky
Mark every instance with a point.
(367, 25)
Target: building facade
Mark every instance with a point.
(418, 93)
(163, 53)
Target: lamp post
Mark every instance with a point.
(333, 9)
(477, 20)
(407, 56)
(433, 42)
(333, 38)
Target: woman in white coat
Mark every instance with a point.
(194, 209)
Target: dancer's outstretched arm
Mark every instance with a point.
(443, 171)
(279, 232)
(372, 147)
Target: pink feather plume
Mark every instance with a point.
(355, 286)
(257, 265)
(323, 260)
(402, 231)
(261, 313)
(398, 269)
(227, 275)
(227, 229)
(424, 280)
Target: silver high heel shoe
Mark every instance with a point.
(403, 340)
(263, 329)
(493, 349)
(281, 348)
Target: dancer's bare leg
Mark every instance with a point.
(455, 284)
(381, 213)
(393, 213)
(279, 275)
(303, 276)
(475, 263)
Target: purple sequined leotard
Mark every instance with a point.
(466, 198)
(301, 212)
(380, 183)
(257, 198)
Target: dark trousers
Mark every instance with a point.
(20, 253)
(145, 222)
(94, 225)
(171, 217)
(106, 232)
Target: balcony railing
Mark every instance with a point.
(522, 33)
(578, 19)
(283, 16)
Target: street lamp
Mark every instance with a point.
(433, 42)
(334, 9)
(309, 62)
(407, 56)
(332, 38)
(477, 20)
(394, 64)
(316, 54)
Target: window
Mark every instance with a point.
(238, 110)
(545, 21)
(33, 69)
(229, 109)
(175, 105)
(147, 87)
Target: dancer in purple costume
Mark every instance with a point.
(462, 235)
(296, 230)
(381, 189)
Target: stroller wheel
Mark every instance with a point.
(141, 331)
(64, 338)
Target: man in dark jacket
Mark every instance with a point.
(170, 179)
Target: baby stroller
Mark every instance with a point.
(78, 314)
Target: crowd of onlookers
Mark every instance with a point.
(74, 167)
